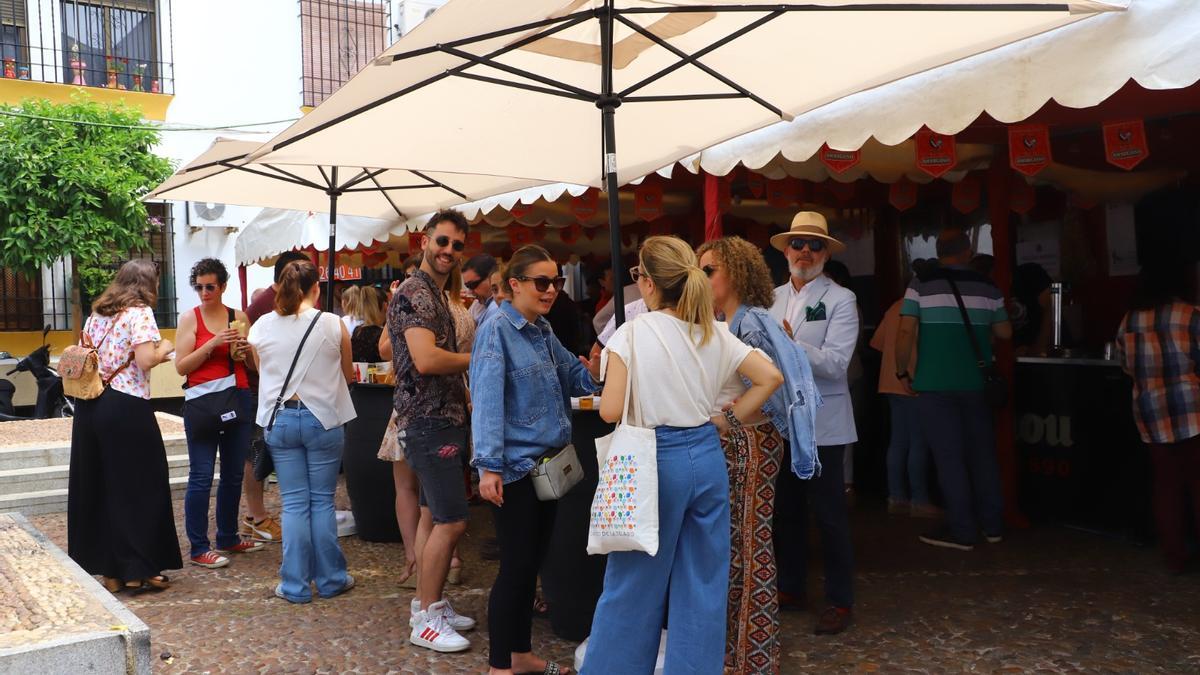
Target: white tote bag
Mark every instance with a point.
(625, 508)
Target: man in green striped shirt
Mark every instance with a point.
(953, 411)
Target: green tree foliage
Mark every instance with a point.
(74, 189)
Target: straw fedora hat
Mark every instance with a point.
(807, 224)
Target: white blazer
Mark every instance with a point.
(829, 343)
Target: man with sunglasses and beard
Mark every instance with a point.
(476, 273)
(822, 317)
(431, 415)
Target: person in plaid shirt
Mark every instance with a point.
(1158, 345)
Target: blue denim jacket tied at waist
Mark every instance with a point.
(522, 380)
(793, 406)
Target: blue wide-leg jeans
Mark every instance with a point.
(689, 576)
(307, 457)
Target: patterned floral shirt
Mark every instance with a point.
(420, 304)
(124, 331)
(1160, 348)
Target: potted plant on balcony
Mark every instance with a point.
(137, 76)
(78, 65)
(10, 68)
(114, 67)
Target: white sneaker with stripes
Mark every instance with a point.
(457, 621)
(431, 630)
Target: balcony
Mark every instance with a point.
(123, 47)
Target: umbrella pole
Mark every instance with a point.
(333, 197)
(608, 111)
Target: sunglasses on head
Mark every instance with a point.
(542, 284)
(200, 288)
(443, 241)
(814, 245)
(473, 284)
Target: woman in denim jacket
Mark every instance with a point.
(741, 289)
(524, 378)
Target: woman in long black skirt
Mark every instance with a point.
(119, 519)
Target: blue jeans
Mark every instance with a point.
(689, 575)
(203, 449)
(959, 428)
(907, 453)
(307, 457)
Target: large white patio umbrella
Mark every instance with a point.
(531, 89)
(224, 174)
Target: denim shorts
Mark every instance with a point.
(435, 449)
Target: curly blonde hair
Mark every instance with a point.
(746, 269)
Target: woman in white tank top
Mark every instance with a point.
(683, 359)
(306, 441)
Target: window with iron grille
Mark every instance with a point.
(14, 45)
(338, 38)
(112, 43)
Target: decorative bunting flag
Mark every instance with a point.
(843, 192)
(1125, 143)
(965, 195)
(519, 235)
(520, 210)
(838, 161)
(1021, 195)
(1029, 148)
(756, 183)
(586, 205)
(902, 194)
(570, 234)
(648, 201)
(936, 152)
(591, 232)
(783, 193)
(414, 242)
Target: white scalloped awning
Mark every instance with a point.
(1153, 42)
(274, 231)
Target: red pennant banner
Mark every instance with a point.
(520, 210)
(414, 242)
(902, 194)
(570, 234)
(585, 205)
(838, 161)
(1029, 148)
(935, 152)
(1125, 143)
(648, 201)
(519, 235)
(965, 194)
(1021, 195)
(591, 232)
(756, 183)
(783, 193)
(843, 192)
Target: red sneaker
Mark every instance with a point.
(210, 559)
(243, 546)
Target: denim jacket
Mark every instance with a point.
(522, 379)
(793, 406)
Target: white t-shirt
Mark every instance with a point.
(351, 323)
(318, 378)
(676, 386)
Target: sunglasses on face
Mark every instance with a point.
(472, 284)
(443, 241)
(814, 245)
(542, 284)
(200, 288)
(709, 270)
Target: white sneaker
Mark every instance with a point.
(432, 631)
(457, 621)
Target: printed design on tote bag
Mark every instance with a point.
(616, 497)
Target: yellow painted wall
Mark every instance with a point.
(153, 106)
(164, 381)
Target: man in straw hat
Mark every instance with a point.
(822, 317)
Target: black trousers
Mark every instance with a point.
(828, 498)
(120, 521)
(523, 526)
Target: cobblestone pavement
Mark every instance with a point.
(1045, 600)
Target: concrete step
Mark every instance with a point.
(55, 500)
(38, 479)
(29, 457)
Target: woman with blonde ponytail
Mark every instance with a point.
(682, 359)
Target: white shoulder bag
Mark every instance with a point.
(625, 508)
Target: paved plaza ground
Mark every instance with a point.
(1047, 600)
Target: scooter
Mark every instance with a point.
(50, 399)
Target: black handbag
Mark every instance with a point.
(216, 411)
(995, 388)
(264, 464)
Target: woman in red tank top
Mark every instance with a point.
(211, 352)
